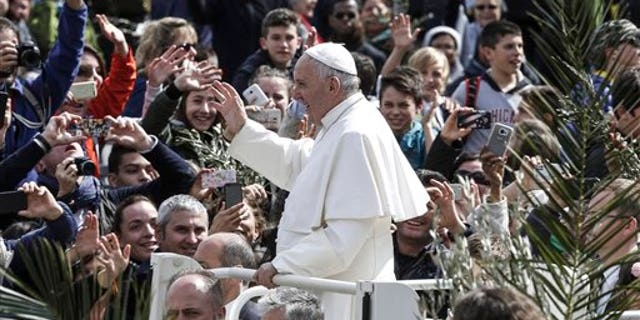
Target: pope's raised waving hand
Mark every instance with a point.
(230, 105)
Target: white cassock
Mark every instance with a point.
(345, 188)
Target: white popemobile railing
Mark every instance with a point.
(374, 300)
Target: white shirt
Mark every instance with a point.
(611, 276)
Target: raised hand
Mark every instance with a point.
(128, 133)
(400, 26)
(113, 34)
(228, 220)
(450, 131)
(113, 259)
(307, 128)
(197, 190)
(493, 167)
(199, 78)
(40, 203)
(444, 197)
(312, 38)
(67, 176)
(75, 4)
(8, 56)
(87, 239)
(231, 107)
(169, 63)
(56, 132)
(255, 192)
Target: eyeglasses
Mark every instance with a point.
(478, 176)
(486, 6)
(342, 15)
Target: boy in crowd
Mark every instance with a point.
(278, 46)
(497, 90)
(400, 99)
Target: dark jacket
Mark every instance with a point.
(252, 63)
(50, 88)
(176, 177)
(62, 231)
(16, 167)
(442, 157)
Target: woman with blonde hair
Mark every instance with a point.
(158, 37)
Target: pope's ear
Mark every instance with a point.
(334, 84)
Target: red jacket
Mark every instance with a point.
(116, 87)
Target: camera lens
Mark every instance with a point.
(502, 132)
(85, 166)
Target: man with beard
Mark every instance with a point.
(35, 100)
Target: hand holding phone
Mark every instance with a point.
(218, 179)
(255, 96)
(232, 194)
(269, 118)
(478, 119)
(499, 139)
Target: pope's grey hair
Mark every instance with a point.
(298, 304)
(349, 83)
(180, 202)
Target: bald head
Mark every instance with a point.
(224, 250)
(196, 293)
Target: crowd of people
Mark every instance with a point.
(373, 116)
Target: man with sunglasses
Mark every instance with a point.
(346, 27)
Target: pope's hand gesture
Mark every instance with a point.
(264, 275)
(231, 107)
(128, 133)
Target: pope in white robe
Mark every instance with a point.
(345, 186)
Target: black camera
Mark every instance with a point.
(29, 55)
(85, 166)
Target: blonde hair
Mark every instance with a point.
(159, 35)
(427, 57)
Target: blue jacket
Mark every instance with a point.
(50, 87)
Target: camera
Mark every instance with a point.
(85, 166)
(29, 55)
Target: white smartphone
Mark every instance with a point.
(83, 90)
(499, 139)
(255, 96)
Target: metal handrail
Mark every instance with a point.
(234, 311)
(289, 280)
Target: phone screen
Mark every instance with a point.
(232, 194)
(12, 202)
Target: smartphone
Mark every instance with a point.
(499, 139)
(255, 96)
(481, 119)
(94, 127)
(4, 96)
(232, 194)
(269, 118)
(83, 90)
(12, 202)
(218, 179)
(458, 191)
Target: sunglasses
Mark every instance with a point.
(486, 6)
(342, 15)
(478, 176)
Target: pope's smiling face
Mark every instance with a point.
(311, 90)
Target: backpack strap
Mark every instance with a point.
(472, 86)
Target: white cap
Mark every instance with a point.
(335, 56)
